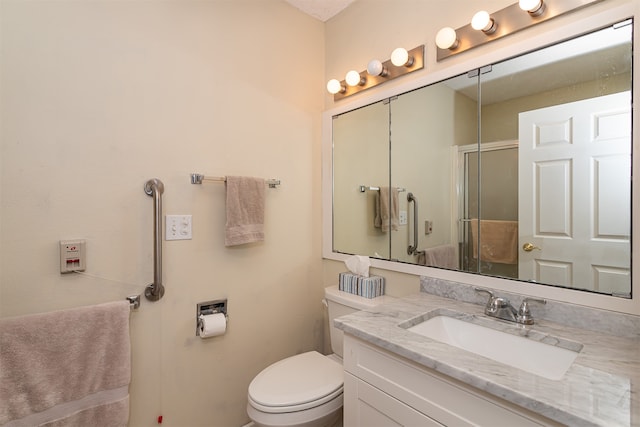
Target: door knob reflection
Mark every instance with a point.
(528, 247)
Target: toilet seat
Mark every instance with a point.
(297, 383)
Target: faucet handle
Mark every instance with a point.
(524, 314)
(488, 292)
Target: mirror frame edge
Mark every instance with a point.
(575, 28)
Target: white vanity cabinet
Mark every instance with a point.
(383, 389)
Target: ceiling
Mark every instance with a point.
(320, 9)
(597, 56)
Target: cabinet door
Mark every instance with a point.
(450, 402)
(366, 406)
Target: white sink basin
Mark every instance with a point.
(545, 360)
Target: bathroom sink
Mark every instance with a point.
(539, 358)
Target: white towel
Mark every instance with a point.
(66, 368)
(245, 210)
(443, 256)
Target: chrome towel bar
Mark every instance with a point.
(134, 301)
(364, 188)
(197, 178)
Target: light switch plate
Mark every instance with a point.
(178, 227)
(402, 218)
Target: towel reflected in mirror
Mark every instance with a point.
(498, 241)
(386, 209)
(443, 256)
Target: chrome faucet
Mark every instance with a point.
(501, 308)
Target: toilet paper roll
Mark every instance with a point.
(212, 325)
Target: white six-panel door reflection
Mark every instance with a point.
(575, 194)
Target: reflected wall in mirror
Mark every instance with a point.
(360, 158)
(521, 169)
(425, 125)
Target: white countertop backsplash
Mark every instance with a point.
(605, 321)
(601, 388)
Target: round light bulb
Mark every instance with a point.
(375, 68)
(447, 38)
(334, 86)
(530, 5)
(482, 21)
(399, 57)
(353, 78)
(534, 7)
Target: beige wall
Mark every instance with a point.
(100, 96)
(370, 29)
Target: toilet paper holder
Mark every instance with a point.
(210, 307)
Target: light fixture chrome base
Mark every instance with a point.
(509, 20)
(416, 62)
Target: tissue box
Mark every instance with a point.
(368, 287)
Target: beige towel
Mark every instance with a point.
(386, 209)
(245, 210)
(443, 256)
(68, 367)
(499, 241)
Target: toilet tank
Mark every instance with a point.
(342, 303)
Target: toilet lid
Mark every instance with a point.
(297, 381)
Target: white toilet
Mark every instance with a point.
(305, 390)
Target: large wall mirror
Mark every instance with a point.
(520, 169)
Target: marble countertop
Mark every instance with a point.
(601, 388)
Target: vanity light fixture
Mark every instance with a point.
(353, 78)
(375, 68)
(482, 21)
(402, 62)
(447, 38)
(532, 7)
(400, 57)
(486, 27)
(334, 86)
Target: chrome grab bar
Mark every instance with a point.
(154, 188)
(411, 249)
